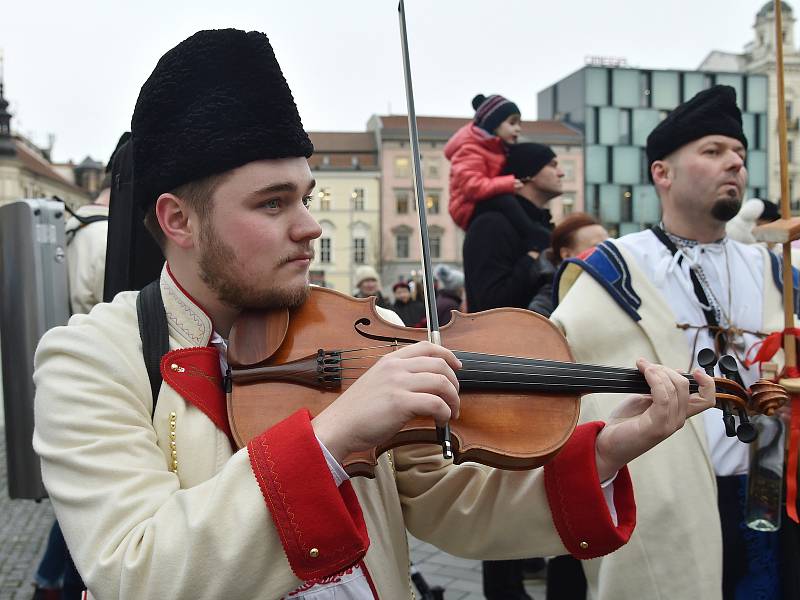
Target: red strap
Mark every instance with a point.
(769, 346)
(791, 466)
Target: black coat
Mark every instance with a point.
(498, 271)
(411, 312)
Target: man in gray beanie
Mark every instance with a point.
(154, 498)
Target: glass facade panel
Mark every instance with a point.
(761, 124)
(596, 87)
(749, 127)
(644, 121)
(735, 81)
(626, 228)
(590, 128)
(626, 89)
(646, 207)
(757, 168)
(665, 92)
(626, 161)
(610, 203)
(596, 164)
(609, 130)
(692, 84)
(757, 97)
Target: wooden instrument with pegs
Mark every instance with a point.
(519, 386)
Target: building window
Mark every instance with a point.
(432, 203)
(789, 150)
(326, 160)
(624, 127)
(435, 244)
(402, 167)
(567, 203)
(325, 250)
(401, 202)
(433, 168)
(355, 162)
(358, 199)
(401, 245)
(359, 251)
(324, 196)
(626, 207)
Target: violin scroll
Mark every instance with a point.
(764, 397)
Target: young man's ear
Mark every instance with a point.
(174, 218)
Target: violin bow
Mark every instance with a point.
(442, 433)
(785, 231)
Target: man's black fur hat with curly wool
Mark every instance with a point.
(216, 101)
(710, 112)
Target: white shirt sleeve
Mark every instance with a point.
(608, 493)
(339, 474)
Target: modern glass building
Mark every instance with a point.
(618, 107)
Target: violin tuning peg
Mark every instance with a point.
(746, 431)
(730, 368)
(728, 420)
(707, 359)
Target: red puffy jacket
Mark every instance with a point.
(477, 159)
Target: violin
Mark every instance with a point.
(520, 388)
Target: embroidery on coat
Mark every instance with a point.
(607, 266)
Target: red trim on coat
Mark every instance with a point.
(580, 512)
(194, 373)
(371, 583)
(308, 510)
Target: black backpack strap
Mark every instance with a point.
(154, 331)
(83, 222)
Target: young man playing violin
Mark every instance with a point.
(160, 504)
(669, 292)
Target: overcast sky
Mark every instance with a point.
(74, 69)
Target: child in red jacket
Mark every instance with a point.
(477, 153)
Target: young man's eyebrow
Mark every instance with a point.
(285, 186)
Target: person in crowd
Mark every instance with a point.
(478, 153)
(449, 292)
(368, 283)
(154, 499)
(501, 266)
(665, 293)
(411, 311)
(574, 235)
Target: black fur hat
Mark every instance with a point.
(216, 101)
(710, 112)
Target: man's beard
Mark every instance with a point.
(727, 207)
(218, 269)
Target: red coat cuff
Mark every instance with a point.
(320, 526)
(579, 509)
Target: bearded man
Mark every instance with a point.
(154, 500)
(666, 293)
